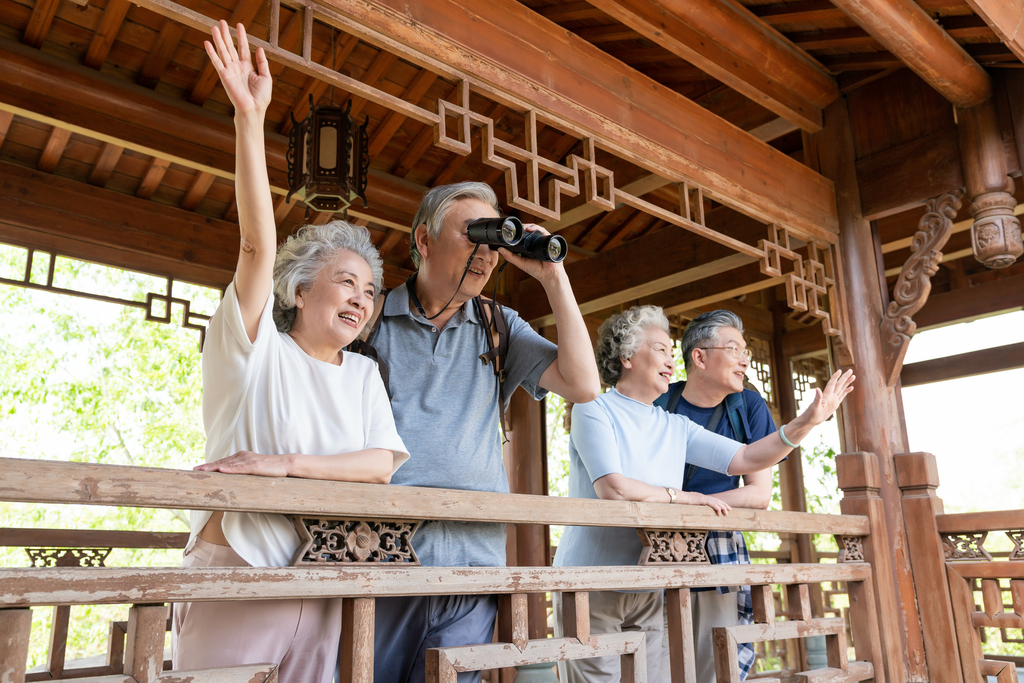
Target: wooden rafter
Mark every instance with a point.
(54, 149)
(394, 120)
(154, 175)
(571, 11)
(420, 144)
(103, 38)
(198, 188)
(163, 49)
(391, 239)
(39, 22)
(5, 124)
(727, 42)
(804, 11)
(612, 33)
(207, 80)
(637, 222)
(382, 63)
(105, 164)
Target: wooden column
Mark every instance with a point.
(357, 617)
(870, 415)
(526, 475)
(918, 476)
(995, 235)
(144, 647)
(15, 629)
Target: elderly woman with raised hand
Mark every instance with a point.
(281, 398)
(622, 447)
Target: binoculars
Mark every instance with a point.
(510, 234)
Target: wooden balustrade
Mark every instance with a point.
(148, 590)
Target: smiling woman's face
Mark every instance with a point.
(648, 371)
(336, 308)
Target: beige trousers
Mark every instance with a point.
(301, 636)
(612, 612)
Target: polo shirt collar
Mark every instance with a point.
(397, 304)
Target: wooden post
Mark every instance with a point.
(15, 629)
(144, 648)
(995, 235)
(860, 482)
(526, 476)
(357, 616)
(870, 415)
(918, 477)
(682, 660)
(58, 640)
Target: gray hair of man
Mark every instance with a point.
(621, 335)
(438, 202)
(312, 248)
(703, 331)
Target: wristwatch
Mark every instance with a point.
(671, 495)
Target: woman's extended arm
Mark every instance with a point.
(617, 486)
(249, 90)
(771, 449)
(372, 465)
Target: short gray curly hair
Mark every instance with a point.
(438, 202)
(301, 258)
(703, 330)
(621, 335)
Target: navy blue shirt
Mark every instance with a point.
(757, 423)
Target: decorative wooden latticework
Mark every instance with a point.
(336, 541)
(665, 546)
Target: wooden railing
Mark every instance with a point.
(358, 583)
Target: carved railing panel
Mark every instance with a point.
(914, 283)
(666, 546)
(337, 541)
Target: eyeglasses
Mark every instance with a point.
(734, 351)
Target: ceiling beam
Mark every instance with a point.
(1006, 17)
(39, 22)
(511, 52)
(103, 38)
(645, 266)
(910, 33)
(729, 43)
(971, 364)
(80, 100)
(1002, 295)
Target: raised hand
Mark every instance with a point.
(826, 402)
(537, 269)
(248, 88)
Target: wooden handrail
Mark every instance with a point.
(973, 522)
(88, 586)
(46, 481)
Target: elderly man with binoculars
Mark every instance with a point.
(433, 332)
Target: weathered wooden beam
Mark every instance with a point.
(105, 164)
(730, 44)
(1004, 16)
(89, 538)
(87, 484)
(970, 364)
(152, 179)
(970, 303)
(910, 33)
(197, 189)
(54, 149)
(89, 586)
(597, 95)
(15, 635)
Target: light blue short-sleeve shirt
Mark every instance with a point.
(617, 434)
(445, 402)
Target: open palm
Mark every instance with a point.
(826, 401)
(248, 88)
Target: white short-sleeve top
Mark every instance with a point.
(271, 397)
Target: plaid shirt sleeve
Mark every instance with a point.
(728, 547)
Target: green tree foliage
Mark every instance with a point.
(86, 381)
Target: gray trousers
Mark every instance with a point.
(709, 609)
(612, 612)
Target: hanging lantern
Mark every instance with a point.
(327, 158)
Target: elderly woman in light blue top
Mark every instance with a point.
(622, 447)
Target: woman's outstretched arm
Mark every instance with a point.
(249, 88)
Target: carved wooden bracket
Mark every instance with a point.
(959, 547)
(673, 547)
(332, 540)
(851, 548)
(914, 283)
(68, 557)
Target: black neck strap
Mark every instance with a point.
(411, 286)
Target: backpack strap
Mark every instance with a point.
(673, 399)
(496, 334)
(736, 408)
(365, 347)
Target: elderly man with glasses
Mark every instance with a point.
(713, 395)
